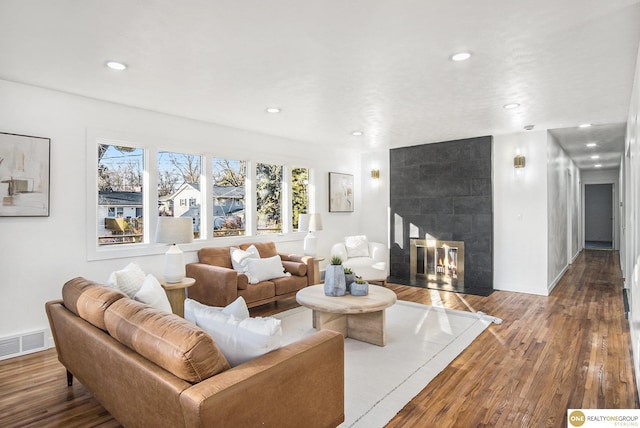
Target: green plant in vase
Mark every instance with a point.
(334, 281)
(349, 278)
(360, 287)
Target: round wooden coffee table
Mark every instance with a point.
(358, 317)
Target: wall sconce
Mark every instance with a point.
(518, 161)
(375, 174)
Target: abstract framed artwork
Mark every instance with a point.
(340, 192)
(24, 175)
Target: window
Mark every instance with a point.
(299, 194)
(229, 189)
(269, 198)
(120, 207)
(179, 179)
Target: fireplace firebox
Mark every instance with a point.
(437, 262)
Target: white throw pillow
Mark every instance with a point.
(237, 308)
(357, 246)
(128, 280)
(239, 257)
(238, 340)
(263, 269)
(153, 294)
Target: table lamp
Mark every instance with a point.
(174, 230)
(310, 223)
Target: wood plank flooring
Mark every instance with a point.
(568, 350)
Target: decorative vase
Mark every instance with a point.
(334, 283)
(359, 289)
(349, 278)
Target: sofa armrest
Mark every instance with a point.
(214, 286)
(378, 251)
(289, 387)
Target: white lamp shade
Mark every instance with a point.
(174, 230)
(315, 222)
(303, 222)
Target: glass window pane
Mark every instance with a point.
(299, 194)
(269, 198)
(229, 188)
(120, 207)
(179, 187)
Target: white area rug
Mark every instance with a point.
(421, 341)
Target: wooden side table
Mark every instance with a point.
(176, 293)
(314, 277)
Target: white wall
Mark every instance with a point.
(631, 240)
(520, 213)
(40, 254)
(561, 188)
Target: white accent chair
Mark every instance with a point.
(368, 259)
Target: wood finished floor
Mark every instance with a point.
(568, 350)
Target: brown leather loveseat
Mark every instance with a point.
(149, 368)
(217, 284)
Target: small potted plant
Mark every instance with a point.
(349, 278)
(334, 281)
(360, 287)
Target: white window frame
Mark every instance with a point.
(95, 137)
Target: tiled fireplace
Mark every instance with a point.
(442, 216)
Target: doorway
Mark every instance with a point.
(598, 216)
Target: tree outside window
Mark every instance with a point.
(299, 194)
(269, 198)
(120, 208)
(179, 186)
(229, 188)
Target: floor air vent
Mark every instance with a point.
(24, 344)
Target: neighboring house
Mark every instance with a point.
(184, 202)
(114, 208)
(228, 201)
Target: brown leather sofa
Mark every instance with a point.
(150, 368)
(217, 284)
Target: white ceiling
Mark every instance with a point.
(336, 66)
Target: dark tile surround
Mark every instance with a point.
(445, 190)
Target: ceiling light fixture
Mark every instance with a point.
(460, 56)
(591, 144)
(529, 127)
(584, 125)
(115, 65)
(595, 157)
(357, 133)
(273, 110)
(511, 106)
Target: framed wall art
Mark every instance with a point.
(340, 192)
(24, 175)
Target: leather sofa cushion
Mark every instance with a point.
(215, 256)
(89, 300)
(169, 341)
(266, 249)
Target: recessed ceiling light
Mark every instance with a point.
(115, 65)
(595, 157)
(529, 127)
(273, 110)
(591, 144)
(357, 133)
(511, 106)
(598, 165)
(460, 56)
(584, 125)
